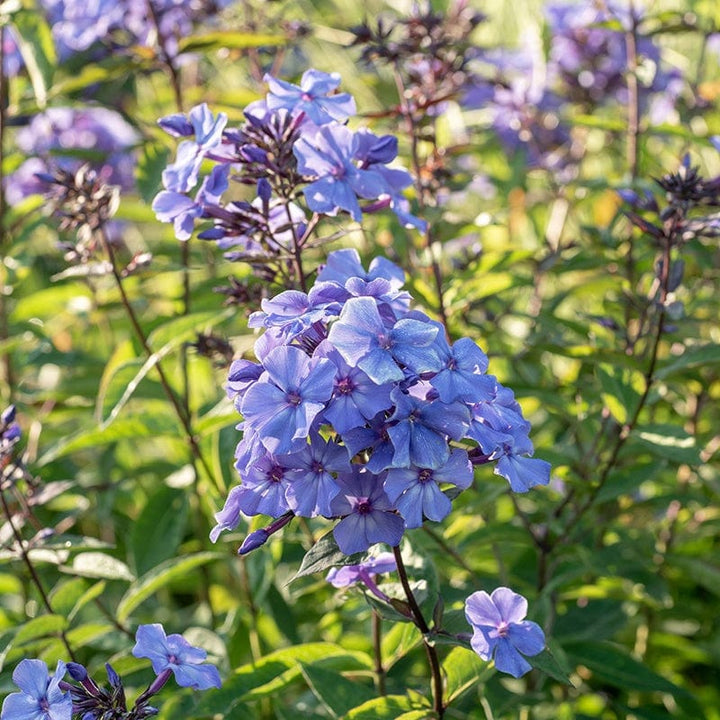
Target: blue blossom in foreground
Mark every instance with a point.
(282, 405)
(500, 631)
(41, 697)
(368, 513)
(312, 97)
(174, 653)
(416, 492)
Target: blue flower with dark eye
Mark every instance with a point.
(363, 339)
(312, 97)
(41, 697)
(175, 654)
(327, 155)
(281, 406)
(501, 632)
(416, 491)
(368, 513)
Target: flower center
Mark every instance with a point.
(363, 507)
(503, 629)
(344, 386)
(293, 398)
(425, 475)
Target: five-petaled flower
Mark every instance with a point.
(501, 632)
(41, 697)
(174, 653)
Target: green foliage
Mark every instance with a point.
(618, 556)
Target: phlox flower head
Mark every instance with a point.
(63, 138)
(9, 432)
(174, 653)
(500, 631)
(40, 697)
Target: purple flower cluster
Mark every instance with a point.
(42, 697)
(589, 59)
(64, 138)
(9, 435)
(298, 153)
(524, 91)
(359, 409)
(79, 25)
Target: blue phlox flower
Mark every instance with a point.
(312, 97)
(364, 341)
(264, 487)
(293, 311)
(462, 377)
(40, 697)
(341, 265)
(178, 209)
(175, 653)
(523, 472)
(312, 484)
(420, 430)
(328, 156)
(383, 292)
(368, 517)
(176, 125)
(356, 398)
(281, 406)
(229, 517)
(500, 631)
(208, 128)
(9, 432)
(375, 439)
(365, 573)
(416, 491)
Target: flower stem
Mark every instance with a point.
(377, 646)
(421, 623)
(183, 417)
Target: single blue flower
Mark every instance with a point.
(290, 394)
(356, 398)
(462, 377)
(341, 265)
(175, 653)
(368, 515)
(41, 697)
(265, 483)
(363, 339)
(523, 472)
(501, 632)
(312, 97)
(365, 573)
(420, 430)
(374, 439)
(328, 156)
(311, 485)
(416, 493)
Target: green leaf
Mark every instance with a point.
(621, 390)
(614, 665)
(160, 576)
(157, 532)
(464, 669)
(89, 633)
(701, 356)
(150, 165)
(668, 441)
(552, 663)
(35, 42)
(99, 565)
(128, 428)
(40, 627)
(275, 671)
(390, 707)
(93, 592)
(336, 692)
(699, 571)
(323, 555)
(233, 40)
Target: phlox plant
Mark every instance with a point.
(370, 347)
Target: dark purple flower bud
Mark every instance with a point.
(253, 541)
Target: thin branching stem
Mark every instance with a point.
(182, 416)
